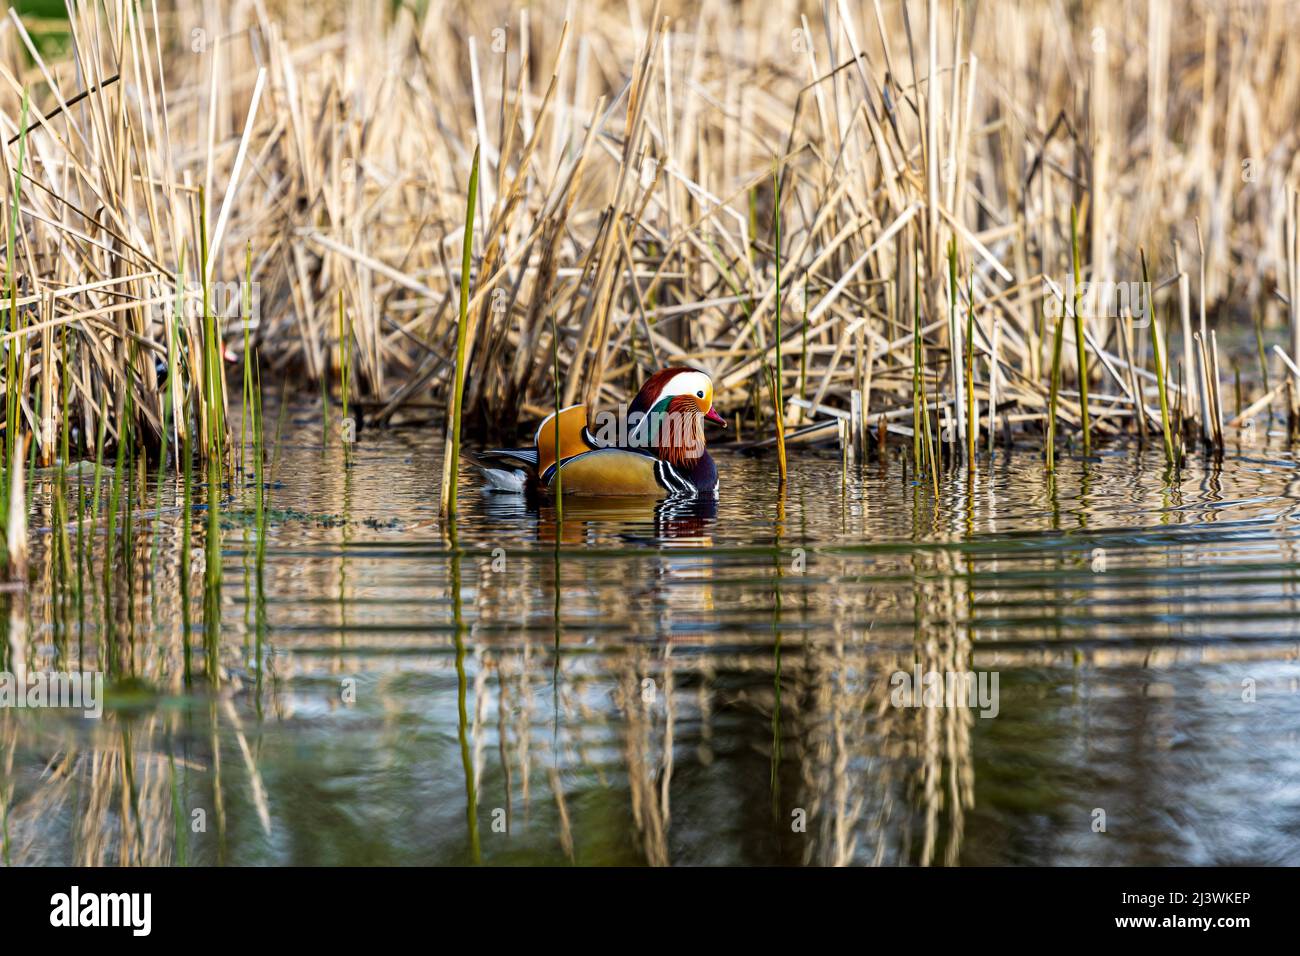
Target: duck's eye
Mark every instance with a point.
(700, 394)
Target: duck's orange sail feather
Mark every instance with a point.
(574, 438)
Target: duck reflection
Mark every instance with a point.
(587, 520)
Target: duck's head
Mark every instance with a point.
(670, 411)
(678, 382)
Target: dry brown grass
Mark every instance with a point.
(626, 191)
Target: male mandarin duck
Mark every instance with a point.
(657, 449)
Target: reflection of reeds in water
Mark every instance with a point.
(109, 605)
(887, 785)
(113, 792)
(648, 764)
(770, 685)
(947, 772)
(879, 784)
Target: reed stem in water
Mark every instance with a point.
(450, 466)
(1158, 349)
(1055, 389)
(778, 398)
(1078, 331)
(972, 419)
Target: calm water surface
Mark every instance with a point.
(672, 685)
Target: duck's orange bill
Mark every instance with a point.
(713, 416)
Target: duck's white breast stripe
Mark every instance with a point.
(670, 479)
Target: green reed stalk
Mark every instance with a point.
(918, 395)
(778, 389)
(172, 363)
(652, 298)
(1058, 334)
(325, 407)
(101, 436)
(345, 334)
(65, 399)
(128, 528)
(173, 360)
(12, 389)
(62, 546)
(1259, 347)
(214, 408)
(172, 346)
(778, 395)
(1161, 371)
(954, 358)
(451, 468)
(967, 357)
(30, 484)
(753, 226)
(259, 443)
(972, 419)
(803, 350)
(931, 440)
(1078, 331)
(558, 483)
(80, 579)
(247, 306)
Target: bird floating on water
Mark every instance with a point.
(654, 447)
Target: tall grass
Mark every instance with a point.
(13, 396)
(1157, 339)
(623, 162)
(1080, 345)
(776, 374)
(452, 458)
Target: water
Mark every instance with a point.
(684, 685)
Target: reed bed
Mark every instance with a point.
(187, 181)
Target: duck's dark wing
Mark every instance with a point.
(520, 456)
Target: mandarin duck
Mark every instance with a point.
(655, 449)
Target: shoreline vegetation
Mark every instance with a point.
(904, 228)
(911, 220)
